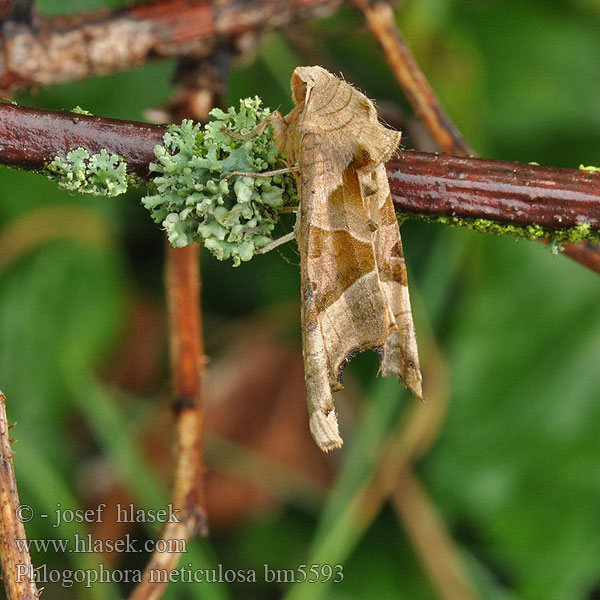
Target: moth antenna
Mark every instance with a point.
(286, 259)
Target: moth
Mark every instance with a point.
(353, 275)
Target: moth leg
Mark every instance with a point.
(258, 130)
(294, 170)
(288, 237)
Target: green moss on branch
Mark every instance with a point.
(556, 237)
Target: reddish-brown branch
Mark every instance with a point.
(426, 183)
(30, 137)
(67, 48)
(506, 192)
(17, 570)
(187, 364)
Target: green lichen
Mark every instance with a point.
(555, 237)
(196, 201)
(591, 169)
(81, 111)
(100, 174)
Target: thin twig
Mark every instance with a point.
(17, 569)
(380, 19)
(187, 364)
(68, 48)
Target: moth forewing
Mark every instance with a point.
(317, 269)
(399, 355)
(353, 276)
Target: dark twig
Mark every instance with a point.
(30, 137)
(421, 183)
(495, 190)
(68, 48)
(17, 570)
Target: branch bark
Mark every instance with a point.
(63, 49)
(427, 183)
(30, 137)
(421, 183)
(501, 191)
(17, 569)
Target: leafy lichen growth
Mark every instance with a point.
(80, 111)
(555, 237)
(590, 168)
(100, 174)
(196, 201)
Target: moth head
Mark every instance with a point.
(301, 84)
(305, 78)
(298, 88)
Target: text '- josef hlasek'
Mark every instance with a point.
(119, 513)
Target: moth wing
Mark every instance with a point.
(400, 354)
(345, 307)
(346, 117)
(354, 289)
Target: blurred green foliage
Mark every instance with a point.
(514, 473)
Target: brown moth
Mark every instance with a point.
(353, 275)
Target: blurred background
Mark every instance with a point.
(505, 453)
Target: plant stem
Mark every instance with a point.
(17, 569)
